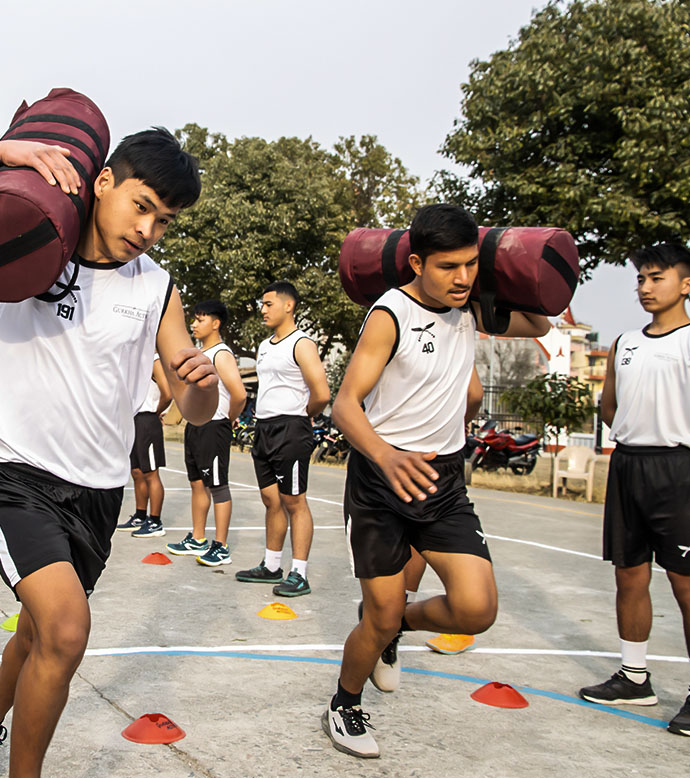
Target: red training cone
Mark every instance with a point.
(156, 558)
(153, 728)
(500, 695)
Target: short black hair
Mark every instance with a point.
(155, 157)
(285, 288)
(213, 308)
(663, 255)
(442, 227)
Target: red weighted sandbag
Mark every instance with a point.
(533, 269)
(39, 223)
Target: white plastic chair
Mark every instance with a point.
(576, 462)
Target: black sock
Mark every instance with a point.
(155, 519)
(345, 699)
(140, 513)
(404, 626)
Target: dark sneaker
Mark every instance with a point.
(188, 546)
(260, 574)
(3, 733)
(620, 690)
(386, 673)
(149, 529)
(133, 522)
(218, 554)
(293, 586)
(680, 723)
(347, 729)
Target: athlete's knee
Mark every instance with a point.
(630, 579)
(63, 642)
(474, 616)
(294, 503)
(680, 584)
(384, 618)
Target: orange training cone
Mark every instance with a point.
(153, 728)
(500, 695)
(277, 611)
(156, 558)
(450, 644)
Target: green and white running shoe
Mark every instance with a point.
(218, 554)
(188, 546)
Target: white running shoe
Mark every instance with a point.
(386, 673)
(347, 729)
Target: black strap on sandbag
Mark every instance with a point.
(495, 320)
(40, 136)
(58, 118)
(559, 264)
(32, 240)
(388, 267)
(47, 297)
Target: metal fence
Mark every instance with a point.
(494, 408)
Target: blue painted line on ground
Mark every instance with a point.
(416, 671)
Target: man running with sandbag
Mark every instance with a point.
(76, 372)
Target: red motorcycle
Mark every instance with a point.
(492, 449)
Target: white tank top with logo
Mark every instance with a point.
(223, 395)
(153, 395)
(282, 388)
(652, 388)
(75, 372)
(419, 402)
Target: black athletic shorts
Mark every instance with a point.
(44, 519)
(281, 453)
(647, 509)
(148, 451)
(207, 452)
(381, 527)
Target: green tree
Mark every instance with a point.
(268, 211)
(583, 122)
(382, 191)
(555, 401)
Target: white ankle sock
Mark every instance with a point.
(411, 596)
(634, 660)
(272, 559)
(301, 566)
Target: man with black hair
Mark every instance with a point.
(207, 448)
(402, 406)
(292, 388)
(647, 507)
(146, 457)
(77, 371)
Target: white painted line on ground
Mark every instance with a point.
(283, 648)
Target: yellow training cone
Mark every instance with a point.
(10, 624)
(277, 611)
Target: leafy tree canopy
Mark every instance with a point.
(583, 122)
(280, 211)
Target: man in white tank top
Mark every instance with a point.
(292, 388)
(148, 455)
(78, 371)
(646, 402)
(207, 448)
(402, 407)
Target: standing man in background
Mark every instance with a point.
(292, 388)
(148, 454)
(207, 448)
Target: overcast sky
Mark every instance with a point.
(270, 68)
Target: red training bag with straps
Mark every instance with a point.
(532, 269)
(39, 223)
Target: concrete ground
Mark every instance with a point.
(186, 641)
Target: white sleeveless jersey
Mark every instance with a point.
(282, 389)
(75, 372)
(419, 402)
(223, 394)
(153, 395)
(653, 389)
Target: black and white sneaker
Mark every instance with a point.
(620, 690)
(347, 729)
(133, 522)
(3, 733)
(680, 723)
(386, 673)
(149, 529)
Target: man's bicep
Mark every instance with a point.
(228, 372)
(373, 351)
(309, 362)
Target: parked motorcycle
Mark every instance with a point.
(492, 449)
